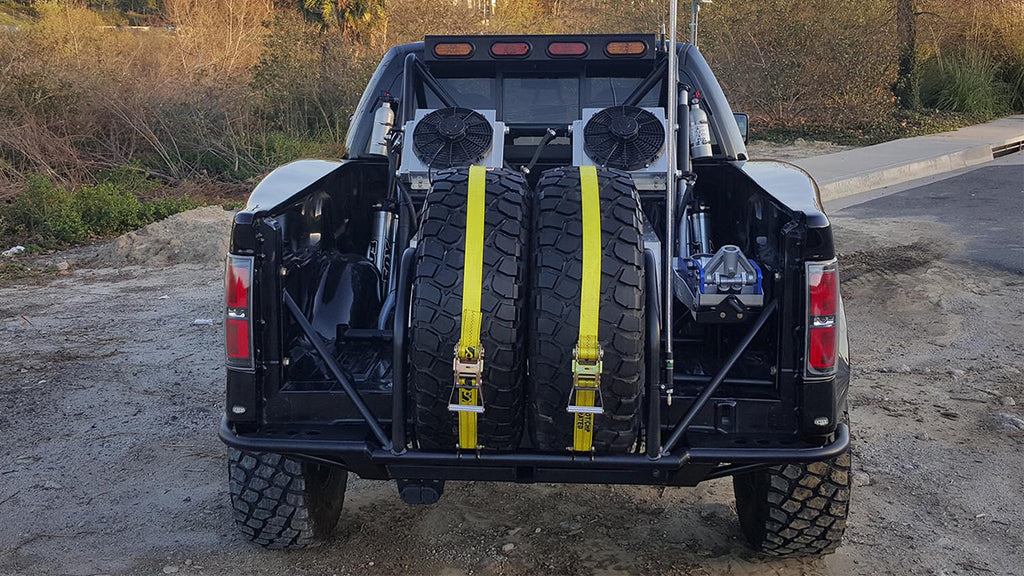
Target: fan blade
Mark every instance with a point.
(610, 154)
(467, 156)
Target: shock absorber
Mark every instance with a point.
(382, 244)
(700, 240)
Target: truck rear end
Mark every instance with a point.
(522, 272)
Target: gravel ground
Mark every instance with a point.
(110, 398)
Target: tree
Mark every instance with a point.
(140, 6)
(355, 18)
(908, 84)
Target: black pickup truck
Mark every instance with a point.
(543, 259)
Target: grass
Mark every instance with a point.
(13, 13)
(902, 124)
(1013, 75)
(16, 272)
(51, 216)
(968, 82)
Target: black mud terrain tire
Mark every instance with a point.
(283, 503)
(435, 327)
(555, 315)
(795, 509)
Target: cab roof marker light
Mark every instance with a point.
(568, 49)
(510, 49)
(619, 49)
(453, 50)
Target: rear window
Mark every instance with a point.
(607, 91)
(542, 100)
(475, 93)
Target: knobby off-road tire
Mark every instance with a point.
(555, 320)
(437, 310)
(283, 503)
(795, 509)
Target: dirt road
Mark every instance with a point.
(110, 397)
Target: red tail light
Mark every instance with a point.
(822, 306)
(823, 291)
(238, 278)
(238, 321)
(238, 340)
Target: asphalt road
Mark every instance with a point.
(985, 206)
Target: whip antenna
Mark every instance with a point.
(694, 11)
(670, 190)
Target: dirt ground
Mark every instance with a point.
(110, 396)
(789, 151)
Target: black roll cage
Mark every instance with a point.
(416, 77)
(663, 461)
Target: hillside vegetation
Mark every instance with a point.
(215, 93)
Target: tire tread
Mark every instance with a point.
(795, 509)
(277, 503)
(437, 308)
(554, 324)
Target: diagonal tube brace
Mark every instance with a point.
(332, 365)
(701, 400)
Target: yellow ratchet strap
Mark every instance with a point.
(588, 357)
(467, 397)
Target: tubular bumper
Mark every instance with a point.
(683, 468)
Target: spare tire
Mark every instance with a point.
(555, 314)
(437, 309)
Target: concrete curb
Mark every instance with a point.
(862, 169)
(898, 174)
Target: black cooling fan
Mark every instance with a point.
(624, 137)
(452, 137)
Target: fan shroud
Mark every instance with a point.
(624, 137)
(452, 137)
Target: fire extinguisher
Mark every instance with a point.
(700, 131)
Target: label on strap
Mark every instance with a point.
(587, 363)
(469, 349)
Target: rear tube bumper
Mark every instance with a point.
(361, 456)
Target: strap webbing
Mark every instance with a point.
(472, 286)
(588, 348)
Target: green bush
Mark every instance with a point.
(967, 82)
(1013, 75)
(108, 209)
(44, 211)
(161, 208)
(278, 148)
(53, 217)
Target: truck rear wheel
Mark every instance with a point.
(795, 509)
(437, 310)
(283, 503)
(555, 320)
